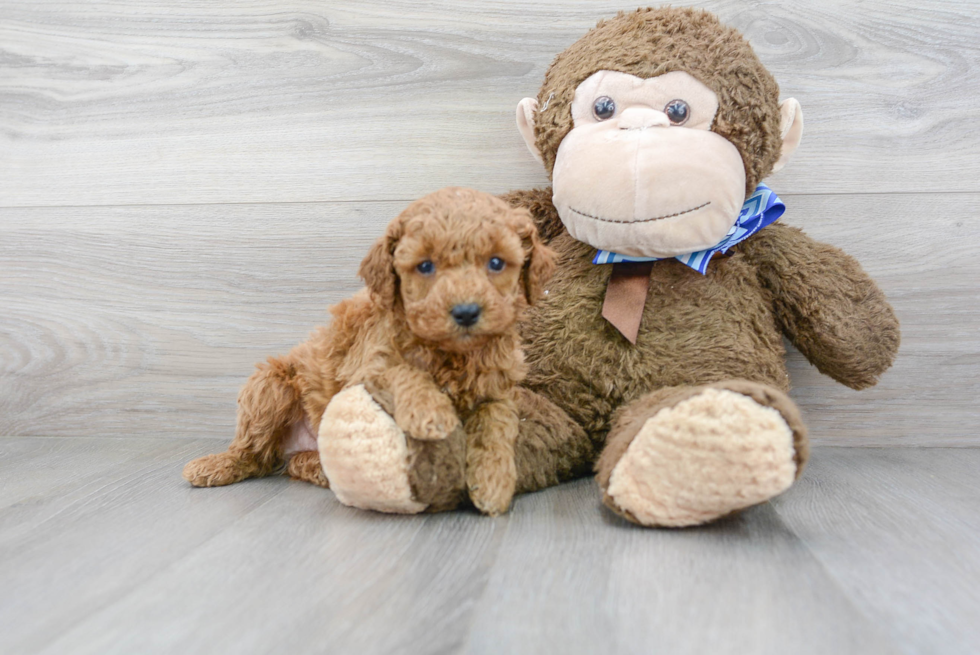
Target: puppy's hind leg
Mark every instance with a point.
(306, 466)
(267, 405)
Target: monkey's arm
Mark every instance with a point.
(826, 305)
(538, 202)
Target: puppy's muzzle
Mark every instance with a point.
(466, 315)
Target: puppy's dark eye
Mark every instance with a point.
(604, 108)
(677, 111)
(426, 268)
(496, 264)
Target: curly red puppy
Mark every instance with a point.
(435, 331)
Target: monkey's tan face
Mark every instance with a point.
(641, 173)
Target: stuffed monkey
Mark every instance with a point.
(656, 357)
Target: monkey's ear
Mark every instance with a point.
(791, 126)
(539, 259)
(525, 125)
(378, 268)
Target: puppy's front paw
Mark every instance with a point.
(491, 485)
(428, 420)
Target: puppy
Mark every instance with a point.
(434, 331)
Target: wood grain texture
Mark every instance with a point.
(129, 321)
(146, 320)
(897, 529)
(84, 535)
(303, 574)
(585, 581)
(873, 551)
(123, 101)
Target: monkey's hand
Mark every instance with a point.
(826, 305)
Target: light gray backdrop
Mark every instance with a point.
(184, 190)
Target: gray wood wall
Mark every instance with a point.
(184, 187)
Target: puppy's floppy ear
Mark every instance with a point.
(539, 259)
(378, 268)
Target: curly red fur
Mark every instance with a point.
(399, 337)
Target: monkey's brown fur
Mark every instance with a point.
(589, 390)
(398, 338)
(723, 329)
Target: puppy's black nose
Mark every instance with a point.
(467, 314)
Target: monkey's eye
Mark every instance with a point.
(496, 264)
(426, 268)
(604, 108)
(677, 111)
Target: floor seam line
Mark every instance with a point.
(801, 194)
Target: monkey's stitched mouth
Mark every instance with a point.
(645, 220)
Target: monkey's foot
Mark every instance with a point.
(370, 463)
(711, 454)
(364, 454)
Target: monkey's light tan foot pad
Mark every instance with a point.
(705, 457)
(364, 454)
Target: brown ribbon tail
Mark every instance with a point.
(626, 294)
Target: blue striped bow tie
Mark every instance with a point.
(762, 208)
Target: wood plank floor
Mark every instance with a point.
(105, 549)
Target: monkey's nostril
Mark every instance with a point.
(466, 314)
